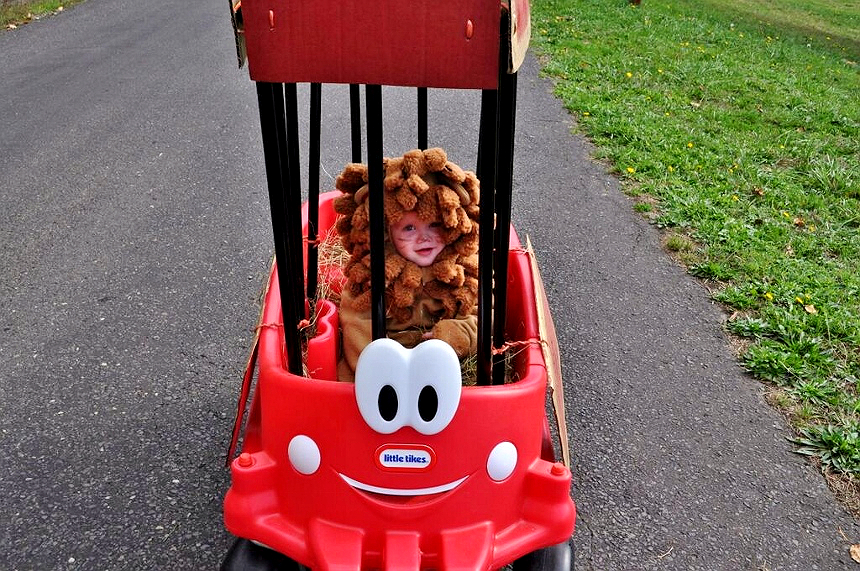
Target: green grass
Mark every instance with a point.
(13, 13)
(735, 125)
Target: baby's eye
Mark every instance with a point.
(436, 225)
(409, 228)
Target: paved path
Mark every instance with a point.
(134, 239)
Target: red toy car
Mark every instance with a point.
(406, 468)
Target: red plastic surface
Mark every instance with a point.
(321, 520)
(324, 348)
(444, 43)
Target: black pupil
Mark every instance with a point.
(387, 403)
(428, 403)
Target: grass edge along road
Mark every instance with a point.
(735, 128)
(13, 13)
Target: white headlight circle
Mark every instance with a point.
(502, 461)
(304, 454)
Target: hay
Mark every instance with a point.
(332, 258)
(469, 367)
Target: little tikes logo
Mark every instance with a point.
(405, 457)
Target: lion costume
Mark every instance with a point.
(440, 298)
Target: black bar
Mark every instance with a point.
(355, 121)
(270, 97)
(314, 191)
(504, 191)
(486, 171)
(294, 198)
(373, 93)
(422, 118)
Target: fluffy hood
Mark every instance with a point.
(427, 183)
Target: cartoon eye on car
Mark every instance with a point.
(406, 467)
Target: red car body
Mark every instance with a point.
(317, 483)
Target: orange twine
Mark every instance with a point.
(303, 324)
(512, 344)
(276, 325)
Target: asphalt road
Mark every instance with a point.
(135, 238)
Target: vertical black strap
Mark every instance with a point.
(355, 121)
(270, 97)
(294, 198)
(314, 191)
(373, 93)
(504, 191)
(486, 171)
(422, 118)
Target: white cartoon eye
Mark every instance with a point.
(382, 385)
(397, 387)
(435, 382)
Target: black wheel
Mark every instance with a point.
(553, 558)
(245, 555)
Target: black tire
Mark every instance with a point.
(245, 555)
(553, 558)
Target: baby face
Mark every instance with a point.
(416, 240)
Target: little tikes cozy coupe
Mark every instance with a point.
(406, 468)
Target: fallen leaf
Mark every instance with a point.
(810, 309)
(855, 552)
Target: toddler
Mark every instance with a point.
(431, 262)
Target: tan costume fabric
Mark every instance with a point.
(440, 298)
